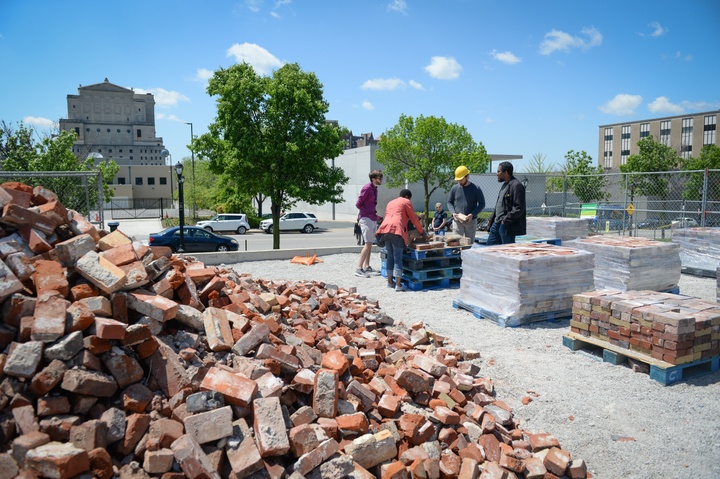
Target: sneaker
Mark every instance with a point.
(400, 288)
(359, 272)
(370, 271)
(391, 285)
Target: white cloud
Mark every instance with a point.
(256, 56)
(622, 105)
(658, 30)
(680, 56)
(383, 84)
(505, 57)
(557, 40)
(203, 74)
(662, 104)
(399, 6)
(164, 97)
(163, 116)
(444, 68)
(367, 105)
(39, 121)
(416, 85)
(253, 5)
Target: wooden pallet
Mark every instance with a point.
(431, 253)
(660, 371)
(703, 273)
(437, 283)
(511, 321)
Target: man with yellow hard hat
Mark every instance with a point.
(465, 203)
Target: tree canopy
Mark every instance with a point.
(271, 137)
(584, 178)
(428, 149)
(19, 151)
(653, 156)
(709, 158)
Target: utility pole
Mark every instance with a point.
(192, 160)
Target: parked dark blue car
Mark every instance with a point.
(196, 240)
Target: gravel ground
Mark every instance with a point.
(622, 423)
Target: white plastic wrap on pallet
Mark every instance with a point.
(557, 227)
(699, 247)
(627, 263)
(520, 280)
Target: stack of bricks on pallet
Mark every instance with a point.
(699, 248)
(523, 282)
(627, 263)
(557, 227)
(669, 327)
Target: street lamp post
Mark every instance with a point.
(165, 154)
(192, 160)
(181, 180)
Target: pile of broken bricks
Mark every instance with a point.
(120, 360)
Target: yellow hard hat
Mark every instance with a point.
(461, 172)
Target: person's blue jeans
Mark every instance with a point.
(498, 235)
(394, 245)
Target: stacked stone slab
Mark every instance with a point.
(627, 263)
(669, 327)
(120, 360)
(699, 248)
(557, 227)
(521, 283)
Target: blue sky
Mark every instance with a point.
(524, 77)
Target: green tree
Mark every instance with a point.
(553, 181)
(20, 152)
(585, 180)
(271, 136)
(653, 156)
(428, 149)
(709, 159)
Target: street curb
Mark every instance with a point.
(231, 257)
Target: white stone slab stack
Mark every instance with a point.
(557, 227)
(626, 263)
(525, 282)
(699, 249)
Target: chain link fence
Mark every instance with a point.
(77, 190)
(639, 204)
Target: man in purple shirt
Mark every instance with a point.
(367, 219)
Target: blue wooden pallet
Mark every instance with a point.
(511, 321)
(432, 273)
(437, 283)
(660, 371)
(430, 253)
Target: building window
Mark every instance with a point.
(139, 133)
(151, 180)
(665, 132)
(709, 130)
(130, 150)
(644, 130)
(163, 180)
(87, 129)
(138, 181)
(607, 148)
(77, 130)
(121, 181)
(686, 138)
(625, 144)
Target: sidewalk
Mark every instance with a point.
(138, 227)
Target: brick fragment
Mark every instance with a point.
(270, 431)
(211, 425)
(101, 272)
(58, 460)
(192, 459)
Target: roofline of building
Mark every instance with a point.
(662, 118)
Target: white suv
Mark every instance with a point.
(304, 222)
(227, 222)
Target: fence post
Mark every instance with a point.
(101, 200)
(565, 188)
(706, 184)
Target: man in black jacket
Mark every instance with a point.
(509, 219)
